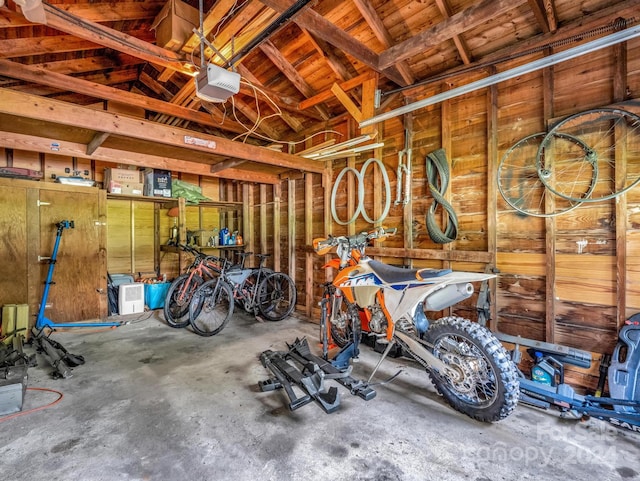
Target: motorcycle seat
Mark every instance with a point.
(392, 274)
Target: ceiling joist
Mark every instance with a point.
(61, 113)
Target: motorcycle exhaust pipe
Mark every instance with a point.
(448, 296)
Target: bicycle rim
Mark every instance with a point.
(211, 307)
(276, 296)
(609, 168)
(520, 185)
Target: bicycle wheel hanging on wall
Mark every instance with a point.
(609, 167)
(520, 185)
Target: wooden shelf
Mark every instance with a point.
(167, 248)
(229, 247)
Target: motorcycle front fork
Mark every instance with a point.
(352, 349)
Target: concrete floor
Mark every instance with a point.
(156, 403)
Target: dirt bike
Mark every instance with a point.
(467, 364)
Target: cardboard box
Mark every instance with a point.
(133, 188)
(122, 176)
(174, 24)
(157, 183)
(202, 237)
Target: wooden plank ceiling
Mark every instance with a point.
(304, 64)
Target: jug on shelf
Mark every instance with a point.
(224, 236)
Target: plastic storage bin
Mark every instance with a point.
(154, 294)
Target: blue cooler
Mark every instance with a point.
(154, 294)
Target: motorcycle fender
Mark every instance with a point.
(333, 263)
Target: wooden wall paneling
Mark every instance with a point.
(17, 245)
(57, 166)
(592, 74)
(407, 209)
(277, 205)
(445, 131)
(101, 221)
(291, 228)
(157, 240)
(144, 238)
(264, 247)
(79, 271)
(548, 81)
(308, 238)
(119, 243)
(35, 281)
(252, 235)
(619, 94)
(27, 160)
(492, 193)
(300, 245)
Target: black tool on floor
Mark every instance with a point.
(300, 369)
(60, 359)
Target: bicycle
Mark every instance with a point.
(260, 291)
(181, 290)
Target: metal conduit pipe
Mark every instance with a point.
(283, 18)
(588, 47)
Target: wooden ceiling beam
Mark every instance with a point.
(249, 112)
(226, 164)
(38, 108)
(108, 37)
(289, 119)
(323, 28)
(74, 149)
(282, 64)
(343, 69)
(461, 45)
(382, 34)
(25, 47)
(95, 12)
(576, 28)
(116, 78)
(471, 17)
(53, 79)
(327, 94)
(91, 64)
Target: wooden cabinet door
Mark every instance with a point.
(13, 246)
(79, 292)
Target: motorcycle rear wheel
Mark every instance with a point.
(485, 384)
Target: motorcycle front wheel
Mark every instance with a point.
(481, 380)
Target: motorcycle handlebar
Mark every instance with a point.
(323, 246)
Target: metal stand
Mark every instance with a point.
(43, 322)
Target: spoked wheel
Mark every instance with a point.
(211, 307)
(248, 289)
(342, 319)
(176, 302)
(608, 168)
(276, 296)
(481, 380)
(520, 184)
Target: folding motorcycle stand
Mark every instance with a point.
(299, 367)
(42, 321)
